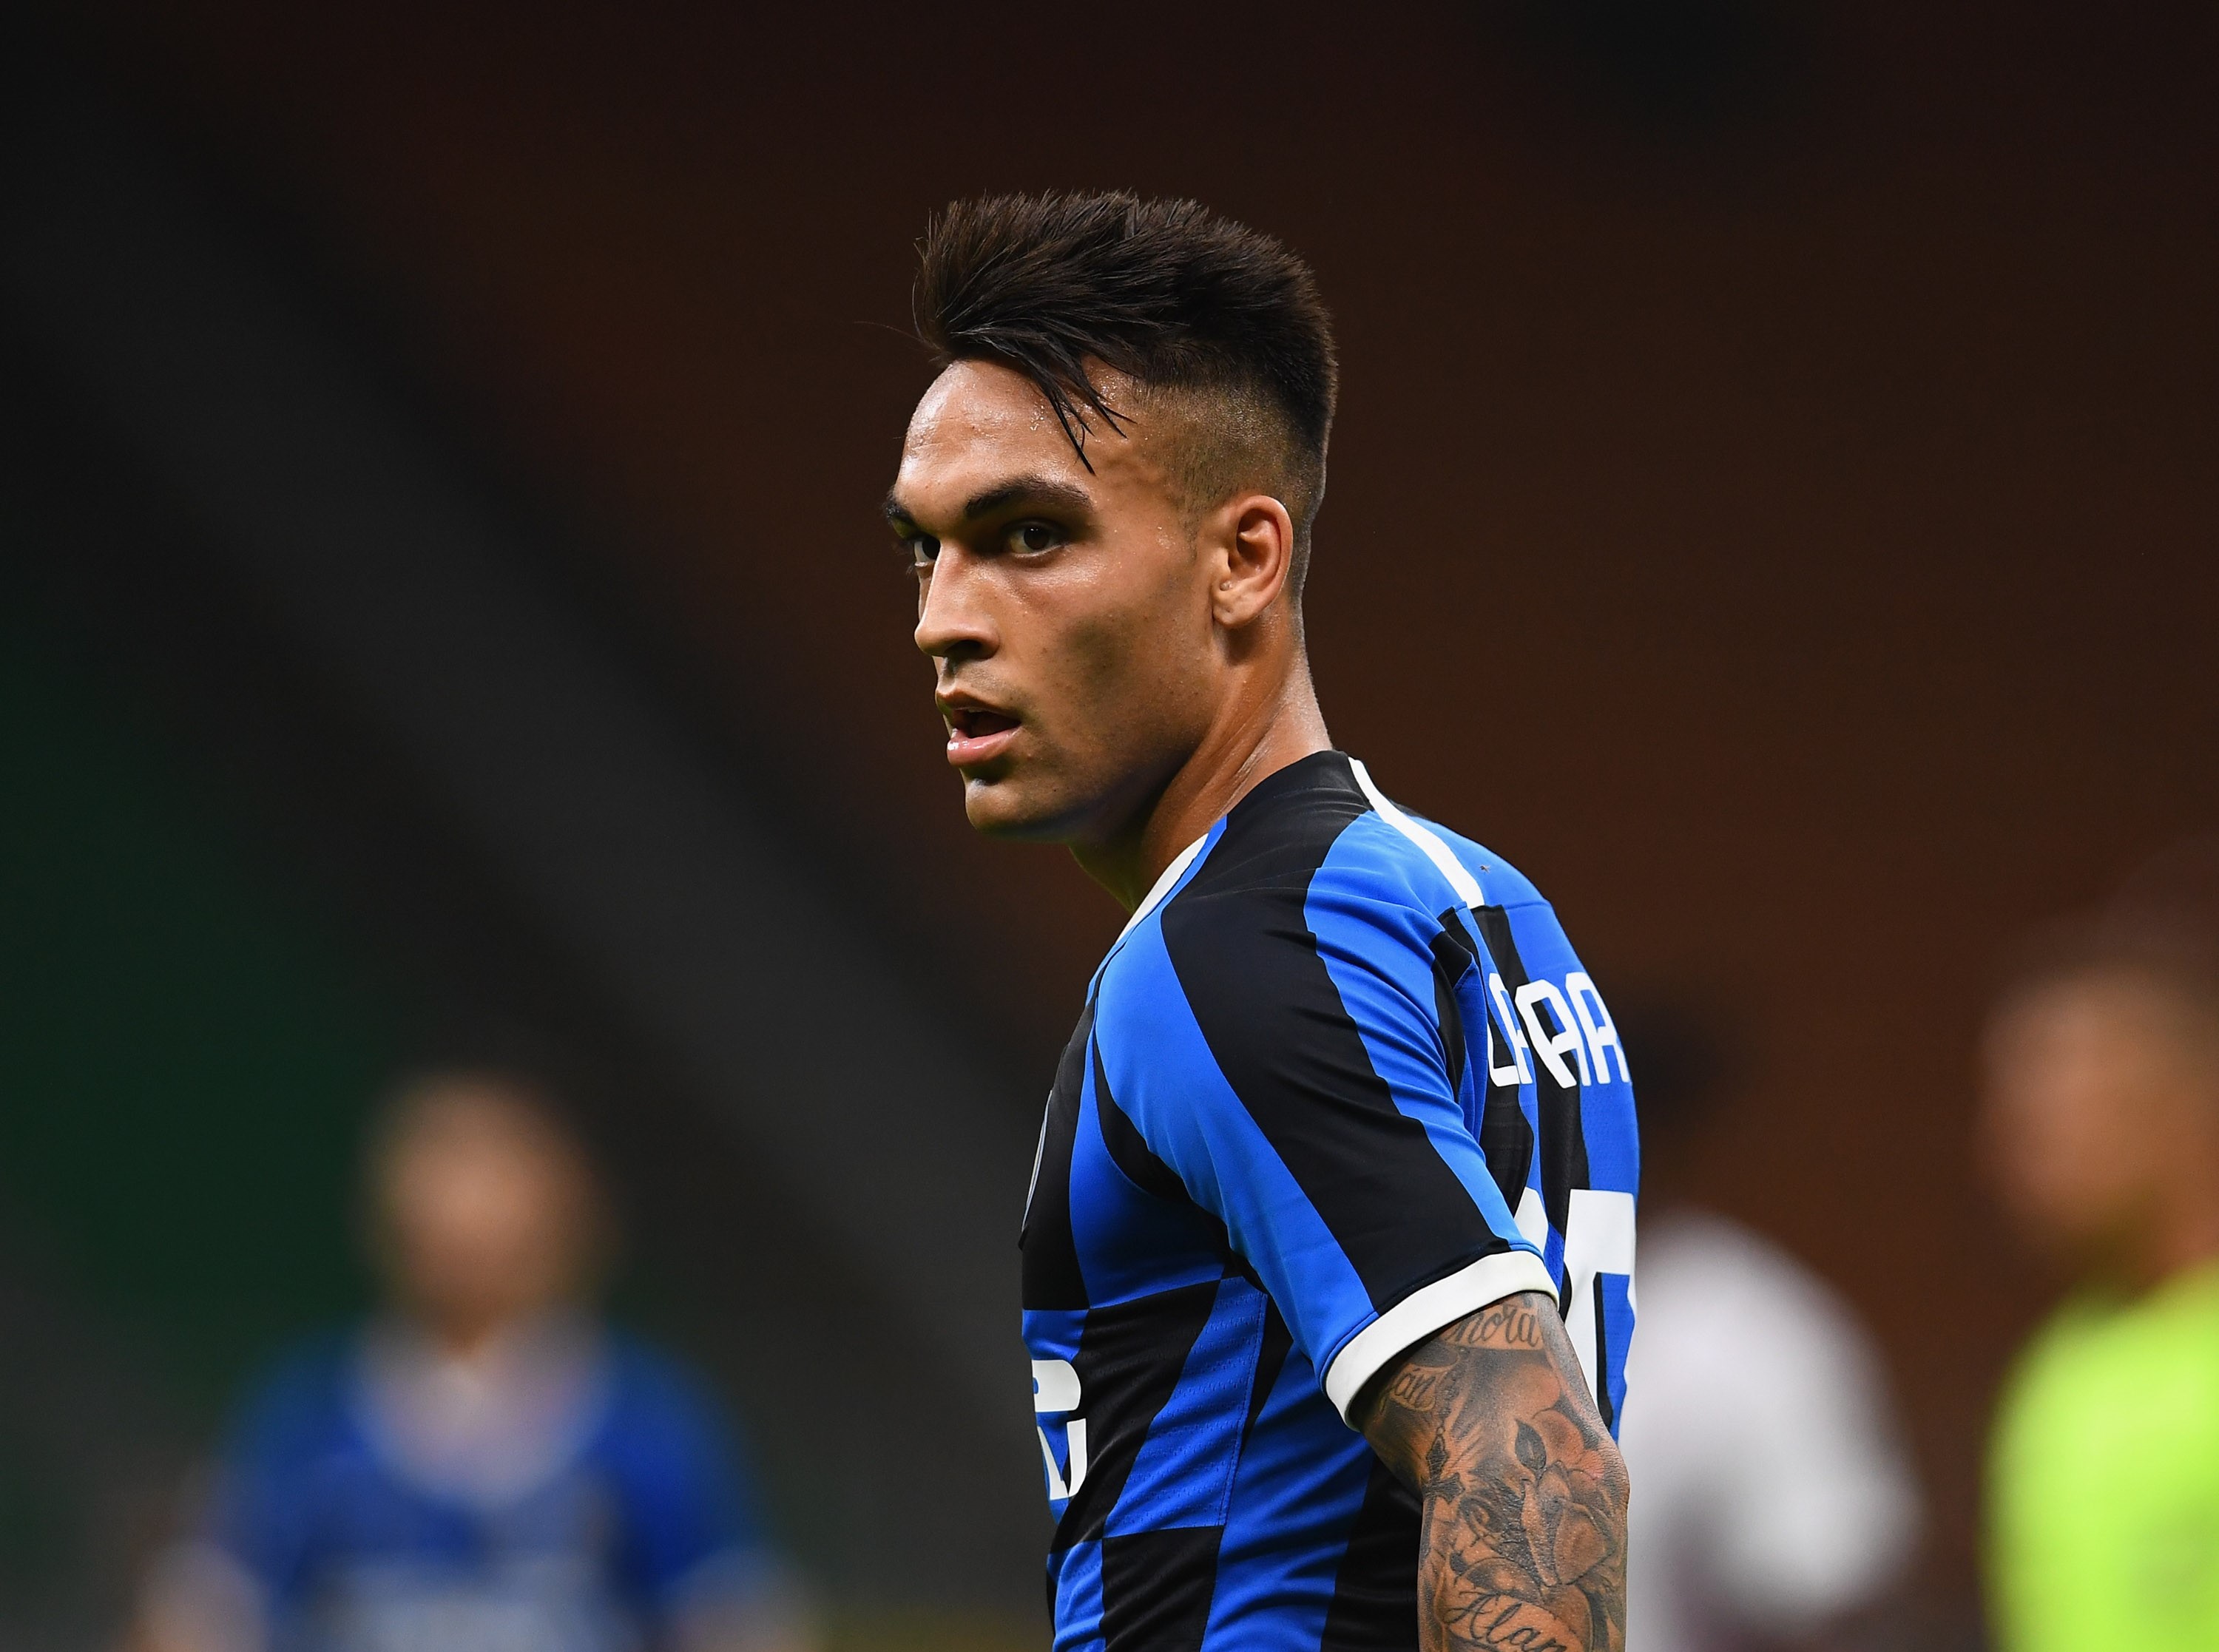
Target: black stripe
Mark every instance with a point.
(1051, 1278)
(1271, 1355)
(1156, 1587)
(1602, 1361)
(1375, 1594)
(1268, 1008)
(1130, 1153)
(1130, 1356)
(1504, 1135)
(1453, 954)
(1128, 1148)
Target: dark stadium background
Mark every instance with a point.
(1773, 503)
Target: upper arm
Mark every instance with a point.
(1521, 1492)
(687, 1499)
(1281, 1051)
(262, 1514)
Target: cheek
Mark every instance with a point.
(1119, 664)
(2066, 1159)
(1136, 698)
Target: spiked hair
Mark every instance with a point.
(1195, 308)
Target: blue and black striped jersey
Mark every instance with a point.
(1340, 1083)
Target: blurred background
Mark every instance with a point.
(444, 618)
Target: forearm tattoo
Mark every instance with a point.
(1521, 1493)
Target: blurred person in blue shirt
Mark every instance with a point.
(484, 1466)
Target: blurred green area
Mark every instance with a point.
(188, 1050)
(184, 1060)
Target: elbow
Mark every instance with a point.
(1613, 1480)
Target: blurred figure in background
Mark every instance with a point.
(484, 1466)
(2102, 1130)
(1773, 1504)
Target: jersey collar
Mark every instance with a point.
(1172, 874)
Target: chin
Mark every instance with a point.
(1005, 808)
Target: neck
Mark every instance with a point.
(2173, 1228)
(1255, 739)
(471, 1334)
(2183, 1235)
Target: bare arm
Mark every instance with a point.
(1521, 1493)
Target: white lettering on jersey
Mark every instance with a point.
(1550, 1046)
(1518, 1072)
(1533, 1219)
(1595, 1021)
(1055, 1391)
(1598, 1240)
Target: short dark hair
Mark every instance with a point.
(2170, 951)
(2162, 925)
(525, 1098)
(1166, 292)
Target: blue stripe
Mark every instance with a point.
(1077, 1587)
(1185, 1471)
(1617, 1293)
(1300, 1484)
(1161, 1067)
(1379, 958)
(1131, 1243)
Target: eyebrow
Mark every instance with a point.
(1018, 490)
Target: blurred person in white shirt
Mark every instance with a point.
(1773, 1504)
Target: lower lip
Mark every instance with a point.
(967, 751)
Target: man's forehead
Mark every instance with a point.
(981, 420)
(973, 398)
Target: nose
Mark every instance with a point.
(954, 619)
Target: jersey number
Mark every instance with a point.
(1055, 1393)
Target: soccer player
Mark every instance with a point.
(2102, 1114)
(1327, 1257)
(486, 1464)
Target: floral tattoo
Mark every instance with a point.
(1521, 1493)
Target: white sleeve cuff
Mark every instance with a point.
(1425, 1311)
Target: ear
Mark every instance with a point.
(1255, 556)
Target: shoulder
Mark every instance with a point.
(1315, 859)
(1320, 828)
(669, 1445)
(1705, 1258)
(304, 1391)
(1713, 1290)
(1323, 829)
(1319, 839)
(655, 1397)
(666, 1431)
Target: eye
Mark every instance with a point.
(1034, 536)
(923, 550)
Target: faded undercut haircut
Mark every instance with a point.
(1220, 327)
(2172, 953)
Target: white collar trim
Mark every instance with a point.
(1172, 873)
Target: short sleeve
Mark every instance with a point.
(261, 1514)
(1283, 1049)
(688, 1501)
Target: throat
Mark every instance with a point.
(1231, 760)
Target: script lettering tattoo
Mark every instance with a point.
(1521, 1490)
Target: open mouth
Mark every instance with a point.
(975, 734)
